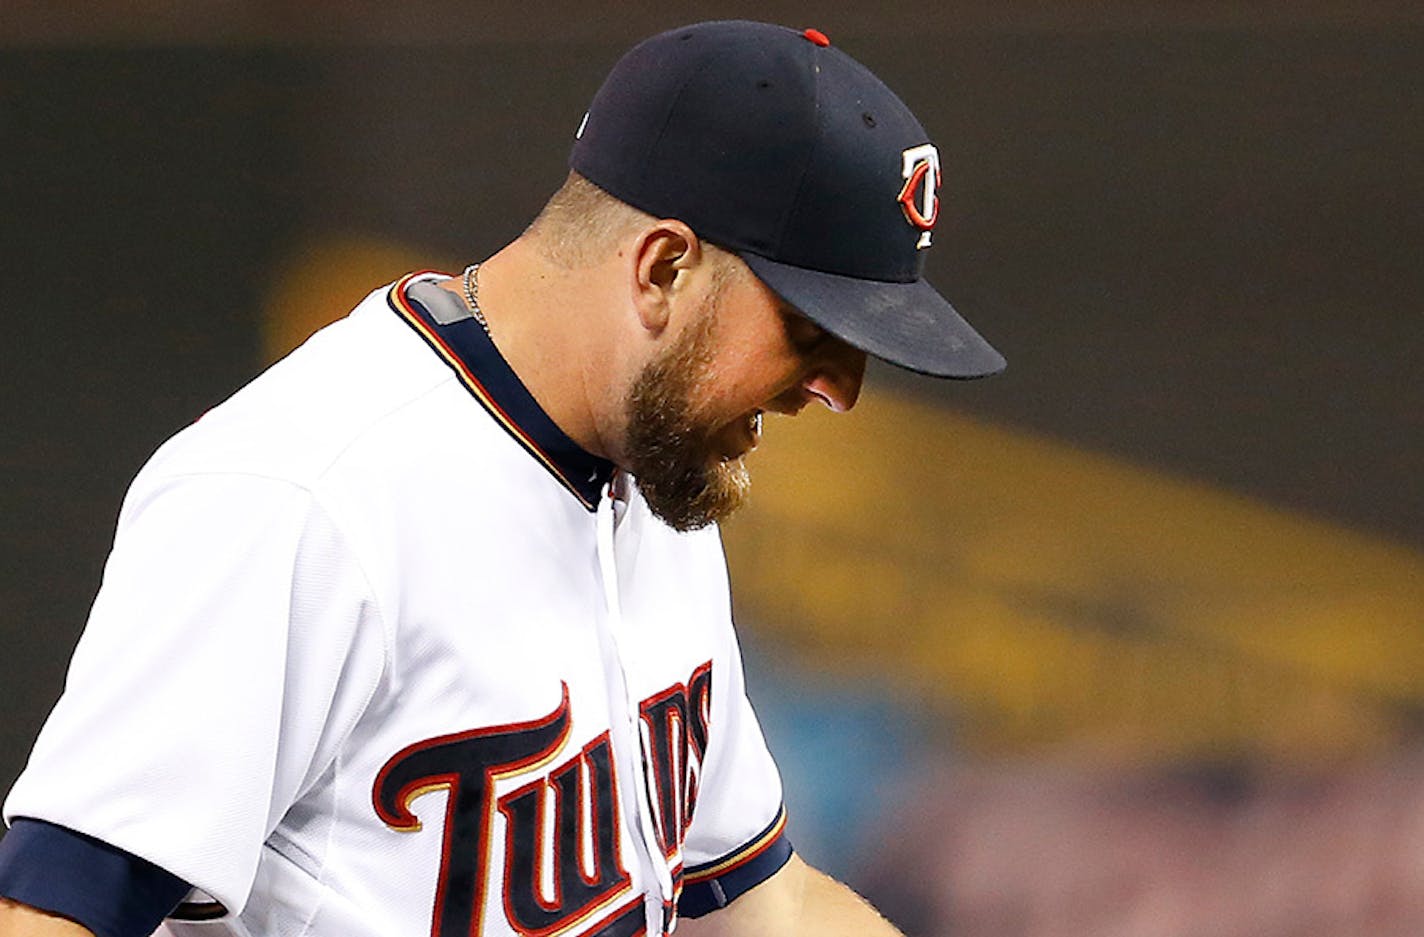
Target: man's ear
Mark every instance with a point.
(663, 253)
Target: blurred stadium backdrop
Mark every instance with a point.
(1129, 640)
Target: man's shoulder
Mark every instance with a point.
(340, 395)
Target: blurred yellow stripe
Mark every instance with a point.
(323, 279)
(1050, 595)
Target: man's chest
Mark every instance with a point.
(531, 762)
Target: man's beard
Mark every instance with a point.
(683, 481)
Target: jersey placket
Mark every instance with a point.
(631, 757)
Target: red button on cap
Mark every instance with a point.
(816, 36)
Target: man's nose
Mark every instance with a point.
(837, 375)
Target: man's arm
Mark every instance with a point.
(19, 920)
(797, 900)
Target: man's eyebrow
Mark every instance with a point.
(791, 312)
(801, 316)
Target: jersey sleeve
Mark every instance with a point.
(232, 645)
(737, 838)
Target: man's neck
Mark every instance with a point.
(545, 320)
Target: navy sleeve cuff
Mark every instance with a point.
(716, 884)
(112, 893)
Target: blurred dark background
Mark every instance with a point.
(1194, 229)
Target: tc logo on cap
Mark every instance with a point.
(920, 170)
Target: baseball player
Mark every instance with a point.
(426, 630)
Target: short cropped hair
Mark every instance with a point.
(581, 224)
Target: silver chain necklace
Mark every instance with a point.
(472, 296)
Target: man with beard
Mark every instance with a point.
(427, 629)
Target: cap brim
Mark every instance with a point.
(907, 324)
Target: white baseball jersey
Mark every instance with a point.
(377, 654)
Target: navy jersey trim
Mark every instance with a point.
(467, 349)
(716, 884)
(109, 891)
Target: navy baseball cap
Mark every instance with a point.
(773, 144)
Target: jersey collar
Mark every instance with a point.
(442, 320)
